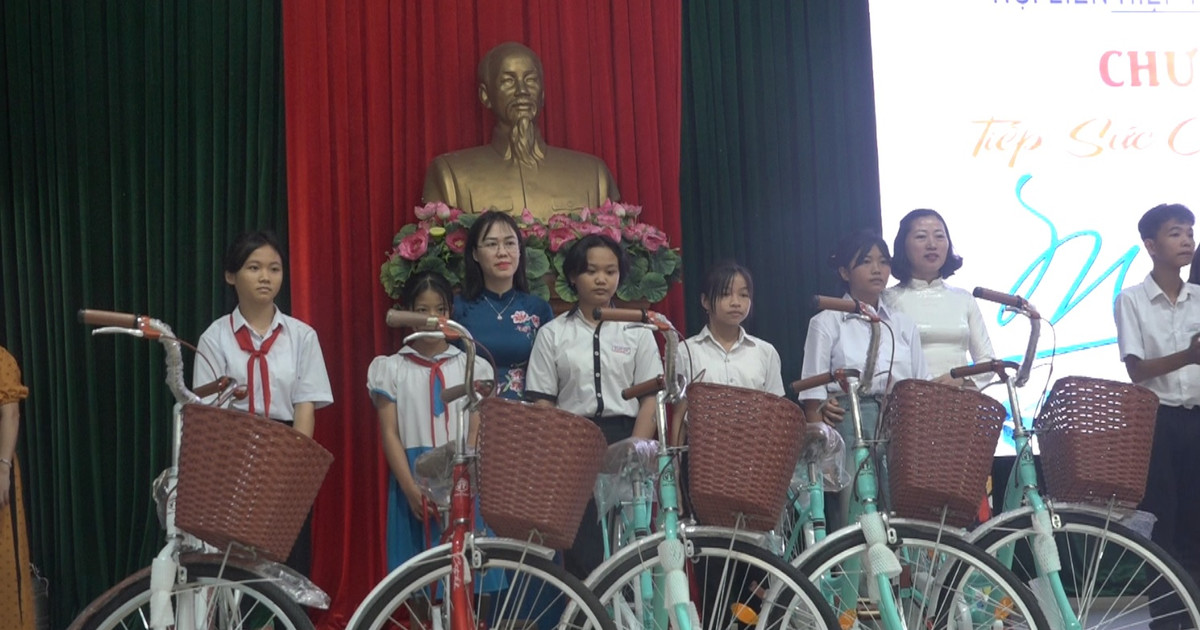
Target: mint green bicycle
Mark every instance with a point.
(896, 573)
(1085, 564)
(686, 576)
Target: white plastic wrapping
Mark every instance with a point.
(434, 473)
(625, 463)
(825, 446)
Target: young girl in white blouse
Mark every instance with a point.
(841, 340)
(723, 352)
(406, 390)
(948, 318)
(581, 365)
(277, 357)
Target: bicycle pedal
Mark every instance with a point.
(867, 610)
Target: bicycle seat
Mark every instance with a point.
(434, 471)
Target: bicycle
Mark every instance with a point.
(436, 588)
(899, 573)
(644, 584)
(189, 585)
(1103, 556)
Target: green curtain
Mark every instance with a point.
(136, 138)
(779, 156)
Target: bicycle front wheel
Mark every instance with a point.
(1113, 577)
(211, 599)
(515, 589)
(734, 583)
(945, 582)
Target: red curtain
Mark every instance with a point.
(374, 89)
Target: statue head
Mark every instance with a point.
(510, 83)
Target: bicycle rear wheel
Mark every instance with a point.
(531, 593)
(1114, 578)
(945, 582)
(735, 584)
(228, 600)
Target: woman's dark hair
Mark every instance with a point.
(853, 248)
(245, 244)
(576, 261)
(902, 266)
(421, 282)
(719, 280)
(473, 279)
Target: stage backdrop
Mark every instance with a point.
(1042, 132)
(374, 90)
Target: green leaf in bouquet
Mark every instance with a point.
(654, 287)
(536, 263)
(664, 262)
(538, 287)
(467, 219)
(407, 230)
(432, 263)
(629, 292)
(558, 261)
(564, 290)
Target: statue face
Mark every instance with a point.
(515, 92)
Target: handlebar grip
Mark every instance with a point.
(408, 319)
(823, 379)
(994, 365)
(107, 318)
(621, 315)
(451, 394)
(1006, 299)
(208, 389)
(826, 303)
(644, 388)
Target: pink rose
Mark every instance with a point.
(442, 211)
(455, 213)
(608, 220)
(457, 241)
(654, 239)
(537, 230)
(612, 232)
(631, 210)
(559, 220)
(559, 237)
(585, 214)
(426, 211)
(413, 246)
(527, 217)
(588, 228)
(635, 232)
(619, 210)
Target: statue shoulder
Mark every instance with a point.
(582, 164)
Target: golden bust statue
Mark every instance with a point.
(517, 170)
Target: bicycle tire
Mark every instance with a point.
(399, 600)
(1078, 541)
(805, 607)
(972, 588)
(127, 605)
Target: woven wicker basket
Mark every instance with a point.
(537, 469)
(1095, 437)
(743, 447)
(247, 480)
(940, 445)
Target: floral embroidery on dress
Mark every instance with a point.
(526, 323)
(514, 381)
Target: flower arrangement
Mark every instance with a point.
(438, 239)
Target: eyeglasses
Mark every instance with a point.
(495, 246)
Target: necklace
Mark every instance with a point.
(500, 313)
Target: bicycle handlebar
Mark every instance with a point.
(408, 319)
(451, 394)
(645, 388)
(95, 317)
(217, 386)
(993, 365)
(826, 303)
(824, 379)
(1035, 322)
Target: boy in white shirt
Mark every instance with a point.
(1158, 323)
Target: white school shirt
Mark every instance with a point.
(840, 340)
(295, 364)
(583, 369)
(751, 362)
(949, 322)
(1150, 327)
(407, 384)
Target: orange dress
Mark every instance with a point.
(16, 587)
